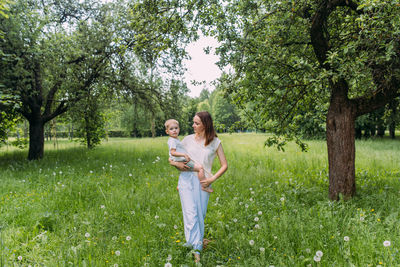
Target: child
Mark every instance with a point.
(178, 153)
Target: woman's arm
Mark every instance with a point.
(179, 165)
(222, 169)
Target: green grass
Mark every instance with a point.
(122, 196)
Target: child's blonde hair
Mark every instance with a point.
(169, 122)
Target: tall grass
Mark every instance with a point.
(118, 204)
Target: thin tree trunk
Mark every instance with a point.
(88, 132)
(153, 127)
(392, 130)
(36, 139)
(340, 131)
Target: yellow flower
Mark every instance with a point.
(177, 241)
(274, 249)
(379, 220)
(380, 262)
(238, 258)
(372, 210)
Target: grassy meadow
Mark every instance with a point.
(117, 205)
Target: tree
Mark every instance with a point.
(60, 49)
(223, 111)
(289, 55)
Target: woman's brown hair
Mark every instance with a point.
(207, 122)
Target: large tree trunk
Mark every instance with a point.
(36, 139)
(340, 131)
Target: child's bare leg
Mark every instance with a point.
(199, 169)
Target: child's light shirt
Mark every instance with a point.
(174, 143)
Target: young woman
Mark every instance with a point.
(203, 146)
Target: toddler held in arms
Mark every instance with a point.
(177, 152)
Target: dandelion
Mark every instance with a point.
(259, 213)
(240, 203)
(346, 238)
(251, 199)
(262, 250)
(130, 175)
(102, 206)
(128, 238)
(319, 253)
(246, 206)
(175, 226)
(252, 192)
(91, 171)
(256, 219)
(20, 258)
(114, 238)
(116, 265)
(317, 259)
(117, 252)
(156, 217)
(87, 235)
(110, 166)
(282, 199)
(251, 242)
(132, 212)
(169, 258)
(386, 243)
(235, 220)
(362, 219)
(168, 264)
(257, 226)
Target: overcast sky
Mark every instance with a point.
(202, 66)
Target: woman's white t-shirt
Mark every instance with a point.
(201, 154)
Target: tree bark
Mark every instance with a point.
(36, 139)
(340, 133)
(88, 132)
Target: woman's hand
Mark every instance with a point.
(179, 165)
(206, 182)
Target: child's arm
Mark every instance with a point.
(178, 154)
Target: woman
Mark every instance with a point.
(202, 146)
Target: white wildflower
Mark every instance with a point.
(317, 259)
(346, 238)
(386, 243)
(251, 242)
